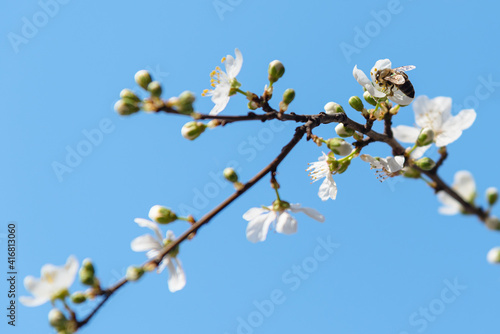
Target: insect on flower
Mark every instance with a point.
(391, 78)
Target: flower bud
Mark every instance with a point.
(425, 163)
(411, 173)
(126, 108)
(154, 88)
(358, 136)
(162, 215)
(288, 96)
(252, 105)
(213, 124)
(343, 131)
(78, 297)
(87, 272)
(134, 273)
(491, 195)
(339, 146)
(185, 102)
(129, 96)
(275, 70)
(332, 108)
(493, 223)
(356, 104)
(494, 255)
(57, 319)
(368, 98)
(343, 166)
(426, 137)
(230, 175)
(143, 78)
(192, 130)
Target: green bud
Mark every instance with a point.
(493, 223)
(343, 131)
(192, 130)
(154, 88)
(128, 95)
(332, 108)
(162, 215)
(134, 273)
(343, 166)
(57, 319)
(87, 272)
(252, 105)
(288, 96)
(492, 195)
(339, 146)
(426, 137)
(230, 175)
(185, 102)
(125, 108)
(356, 104)
(78, 297)
(411, 173)
(425, 163)
(494, 255)
(143, 78)
(368, 98)
(275, 70)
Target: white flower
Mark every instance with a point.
(320, 169)
(260, 219)
(375, 88)
(388, 167)
(464, 186)
(153, 246)
(435, 114)
(223, 82)
(493, 256)
(54, 281)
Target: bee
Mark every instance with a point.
(396, 77)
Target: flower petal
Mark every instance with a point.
(253, 212)
(177, 278)
(258, 227)
(233, 66)
(464, 185)
(286, 224)
(363, 80)
(328, 188)
(32, 301)
(313, 213)
(432, 113)
(406, 134)
(151, 225)
(144, 243)
(400, 98)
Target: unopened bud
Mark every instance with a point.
(230, 175)
(369, 98)
(339, 146)
(288, 96)
(358, 136)
(411, 173)
(126, 108)
(57, 319)
(343, 131)
(275, 70)
(78, 297)
(129, 96)
(134, 273)
(343, 166)
(492, 195)
(185, 102)
(493, 223)
(143, 78)
(87, 272)
(155, 88)
(356, 103)
(425, 163)
(494, 255)
(192, 130)
(426, 137)
(162, 215)
(332, 108)
(252, 105)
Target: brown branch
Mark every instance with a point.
(299, 133)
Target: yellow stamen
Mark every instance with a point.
(223, 59)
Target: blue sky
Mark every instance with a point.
(395, 258)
